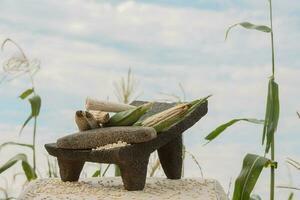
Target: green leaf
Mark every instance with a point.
(35, 103)
(249, 25)
(117, 170)
(272, 114)
(291, 196)
(28, 170)
(298, 114)
(252, 167)
(16, 143)
(96, 173)
(129, 117)
(12, 161)
(25, 123)
(215, 133)
(26, 93)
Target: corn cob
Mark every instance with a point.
(164, 120)
(92, 104)
(101, 117)
(129, 117)
(91, 120)
(81, 121)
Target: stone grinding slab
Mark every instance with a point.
(102, 136)
(108, 188)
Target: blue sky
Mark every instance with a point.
(85, 46)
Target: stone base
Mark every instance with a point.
(112, 188)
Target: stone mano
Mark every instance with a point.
(133, 159)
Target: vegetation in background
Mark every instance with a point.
(253, 164)
(16, 66)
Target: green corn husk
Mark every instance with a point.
(129, 117)
(166, 119)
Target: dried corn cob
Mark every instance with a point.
(81, 121)
(129, 117)
(92, 104)
(101, 117)
(91, 120)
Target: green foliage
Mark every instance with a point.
(15, 144)
(252, 167)
(35, 103)
(117, 170)
(249, 25)
(18, 65)
(129, 117)
(26, 93)
(272, 114)
(291, 196)
(97, 173)
(215, 133)
(52, 167)
(28, 170)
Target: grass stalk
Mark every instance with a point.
(272, 185)
(34, 144)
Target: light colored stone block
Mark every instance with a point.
(112, 188)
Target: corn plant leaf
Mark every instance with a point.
(13, 161)
(252, 167)
(28, 170)
(26, 93)
(249, 25)
(15, 143)
(25, 123)
(272, 114)
(97, 173)
(291, 196)
(215, 133)
(117, 170)
(35, 103)
(129, 117)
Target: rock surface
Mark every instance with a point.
(112, 188)
(102, 136)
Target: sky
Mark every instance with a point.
(86, 46)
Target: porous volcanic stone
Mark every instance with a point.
(99, 137)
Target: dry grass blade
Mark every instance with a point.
(196, 161)
(288, 187)
(155, 167)
(126, 89)
(18, 64)
(294, 163)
